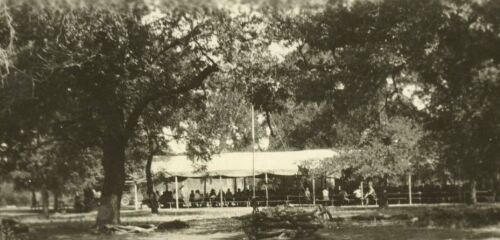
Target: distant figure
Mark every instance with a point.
(212, 196)
(89, 201)
(163, 200)
(237, 195)
(343, 197)
(326, 194)
(370, 193)
(358, 194)
(180, 197)
(191, 196)
(170, 196)
(78, 205)
(246, 194)
(229, 197)
(197, 198)
(307, 194)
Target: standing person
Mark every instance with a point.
(191, 198)
(78, 205)
(307, 195)
(170, 198)
(370, 193)
(326, 194)
(181, 196)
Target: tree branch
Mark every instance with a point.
(137, 111)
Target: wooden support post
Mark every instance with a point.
(362, 192)
(204, 187)
(221, 192)
(267, 192)
(409, 189)
(205, 200)
(314, 190)
(235, 184)
(136, 200)
(176, 193)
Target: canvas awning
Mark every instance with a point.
(239, 164)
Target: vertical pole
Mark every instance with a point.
(221, 192)
(204, 187)
(314, 189)
(409, 189)
(362, 193)
(235, 183)
(253, 152)
(176, 193)
(136, 203)
(267, 192)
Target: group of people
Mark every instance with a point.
(198, 199)
(341, 197)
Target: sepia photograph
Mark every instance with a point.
(249, 119)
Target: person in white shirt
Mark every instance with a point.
(358, 194)
(307, 195)
(326, 194)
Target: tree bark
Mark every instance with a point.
(494, 187)
(33, 199)
(56, 201)
(45, 201)
(153, 147)
(153, 199)
(383, 200)
(114, 179)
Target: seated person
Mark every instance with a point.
(197, 198)
(163, 199)
(218, 197)
(370, 194)
(229, 197)
(358, 194)
(238, 195)
(246, 194)
(191, 197)
(212, 197)
(342, 197)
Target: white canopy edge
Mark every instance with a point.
(239, 164)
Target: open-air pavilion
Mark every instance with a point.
(238, 165)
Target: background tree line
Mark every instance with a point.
(401, 85)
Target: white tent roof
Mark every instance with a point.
(239, 164)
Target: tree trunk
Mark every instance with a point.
(383, 200)
(473, 197)
(114, 179)
(34, 204)
(45, 201)
(56, 201)
(153, 199)
(494, 187)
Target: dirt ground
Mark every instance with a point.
(223, 223)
